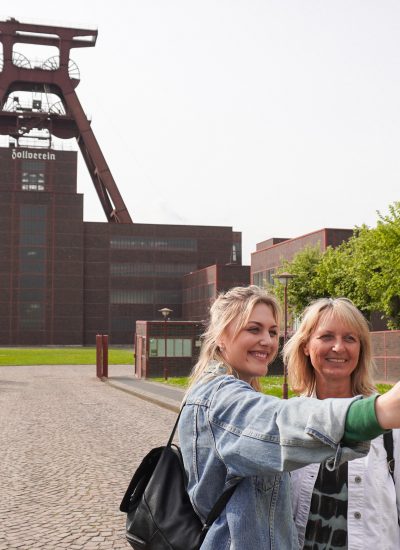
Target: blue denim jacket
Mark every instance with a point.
(228, 433)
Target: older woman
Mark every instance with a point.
(356, 506)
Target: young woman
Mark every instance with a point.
(230, 433)
(357, 506)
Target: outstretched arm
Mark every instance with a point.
(387, 408)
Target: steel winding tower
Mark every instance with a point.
(64, 119)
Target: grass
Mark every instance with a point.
(62, 356)
(271, 385)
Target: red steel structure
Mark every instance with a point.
(66, 118)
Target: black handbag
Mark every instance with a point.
(160, 515)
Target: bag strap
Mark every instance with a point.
(171, 437)
(388, 444)
(223, 499)
(218, 507)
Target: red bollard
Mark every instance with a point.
(105, 355)
(99, 358)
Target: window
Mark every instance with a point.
(201, 293)
(32, 266)
(33, 224)
(176, 347)
(31, 316)
(264, 277)
(150, 269)
(150, 243)
(32, 175)
(145, 296)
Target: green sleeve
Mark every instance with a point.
(361, 422)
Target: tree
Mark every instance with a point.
(300, 290)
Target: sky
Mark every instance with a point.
(274, 117)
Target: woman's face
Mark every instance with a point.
(252, 349)
(334, 350)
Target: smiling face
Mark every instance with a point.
(334, 351)
(250, 351)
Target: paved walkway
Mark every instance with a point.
(68, 447)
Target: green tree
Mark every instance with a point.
(301, 288)
(384, 274)
(343, 271)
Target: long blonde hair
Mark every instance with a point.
(235, 304)
(301, 373)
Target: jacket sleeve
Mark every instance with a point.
(257, 434)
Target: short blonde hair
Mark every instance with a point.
(301, 373)
(235, 304)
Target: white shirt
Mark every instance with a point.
(373, 501)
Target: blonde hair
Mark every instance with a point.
(301, 373)
(235, 304)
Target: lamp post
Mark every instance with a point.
(166, 312)
(284, 279)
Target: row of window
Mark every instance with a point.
(262, 277)
(156, 243)
(176, 347)
(145, 296)
(199, 293)
(150, 269)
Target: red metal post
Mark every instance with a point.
(165, 351)
(105, 355)
(99, 358)
(285, 384)
(385, 355)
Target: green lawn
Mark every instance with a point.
(62, 356)
(271, 385)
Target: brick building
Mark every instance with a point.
(62, 280)
(270, 254)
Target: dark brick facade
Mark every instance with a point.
(200, 288)
(41, 247)
(63, 280)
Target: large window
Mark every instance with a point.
(32, 266)
(176, 347)
(200, 293)
(150, 243)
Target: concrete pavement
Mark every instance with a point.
(165, 396)
(69, 444)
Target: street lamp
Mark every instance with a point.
(284, 279)
(166, 312)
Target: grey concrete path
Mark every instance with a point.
(155, 392)
(69, 444)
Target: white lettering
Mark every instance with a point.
(29, 155)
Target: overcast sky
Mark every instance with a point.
(275, 117)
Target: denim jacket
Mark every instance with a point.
(231, 434)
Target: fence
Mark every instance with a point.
(386, 352)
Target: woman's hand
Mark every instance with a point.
(387, 408)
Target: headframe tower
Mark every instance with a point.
(65, 118)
